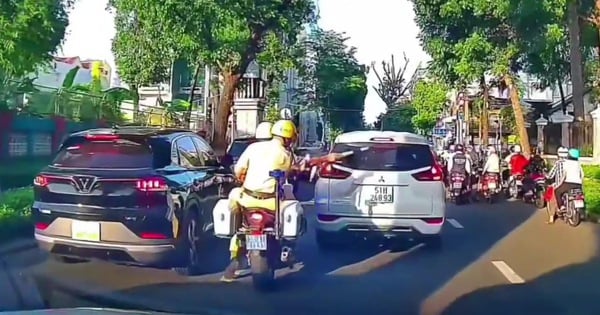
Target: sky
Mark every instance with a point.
(377, 28)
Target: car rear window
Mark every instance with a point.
(238, 147)
(121, 153)
(370, 156)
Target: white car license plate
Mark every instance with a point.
(457, 185)
(256, 242)
(85, 230)
(492, 185)
(382, 194)
(578, 203)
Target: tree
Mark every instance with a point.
(391, 85)
(335, 79)
(429, 100)
(472, 39)
(31, 32)
(225, 34)
(142, 51)
(396, 118)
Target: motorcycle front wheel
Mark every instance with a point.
(263, 274)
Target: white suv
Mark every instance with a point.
(390, 186)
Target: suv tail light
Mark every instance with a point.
(434, 174)
(40, 181)
(333, 171)
(152, 184)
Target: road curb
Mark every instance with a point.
(17, 245)
(118, 300)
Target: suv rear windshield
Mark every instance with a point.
(386, 156)
(238, 147)
(121, 153)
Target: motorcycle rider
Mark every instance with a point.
(567, 174)
(459, 163)
(492, 163)
(517, 163)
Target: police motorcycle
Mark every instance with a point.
(267, 236)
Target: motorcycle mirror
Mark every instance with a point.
(313, 173)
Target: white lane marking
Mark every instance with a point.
(507, 272)
(455, 223)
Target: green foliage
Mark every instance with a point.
(591, 186)
(429, 100)
(15, 214)
(396, 118)
(272, 114)
(30, 31)
(340, 80)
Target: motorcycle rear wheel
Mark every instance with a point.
(263, 274)
(573, 217)
(540, 203)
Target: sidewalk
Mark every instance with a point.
(19, 291)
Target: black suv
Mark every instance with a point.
(136, 195)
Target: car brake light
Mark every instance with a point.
(153, 236)
(152, 184)
(333, 171)
(101, 137)
(41, 226)
(434, 174)
(40, 181)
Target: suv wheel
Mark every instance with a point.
(190, 237)
(433, 242)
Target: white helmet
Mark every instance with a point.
(491, 149)
(562, 152)
(263, 131)
(517, 148)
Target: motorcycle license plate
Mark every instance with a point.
(256, 242)
(519, 182)
(457, 185)
(578, 203)
(491, 185)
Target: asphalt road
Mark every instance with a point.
(496, 259)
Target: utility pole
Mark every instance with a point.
(207, 77)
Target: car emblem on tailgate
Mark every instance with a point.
(381, 180)
(84, 184)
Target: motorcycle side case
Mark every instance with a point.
(223, 219)
(292, 219)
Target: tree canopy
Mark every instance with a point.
(396, 118)
(30, 31)
(428, 100)
(341, 81)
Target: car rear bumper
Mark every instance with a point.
(385, 227)
(157, 255)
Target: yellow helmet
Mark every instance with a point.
(284, 128)
(263, 131)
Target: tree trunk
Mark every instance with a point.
(230, 84)
(484, 121)
(515, 101)
(576, 71)
(136, 103)
(188, 115)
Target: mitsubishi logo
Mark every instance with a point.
(84, 184)
(381, 180)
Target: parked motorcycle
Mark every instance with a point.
(573, 211)
(490, 186)
(267, 236)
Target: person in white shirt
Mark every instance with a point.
(492, 163)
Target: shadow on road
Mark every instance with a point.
(568, 290)
(390, 283)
